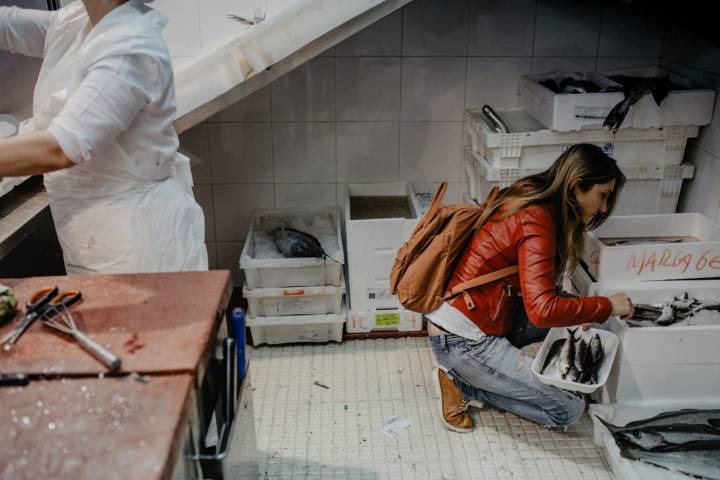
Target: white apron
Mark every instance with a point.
(115, 213)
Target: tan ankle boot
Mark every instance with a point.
(452, 405)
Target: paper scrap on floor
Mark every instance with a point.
(394, 425)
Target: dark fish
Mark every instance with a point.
(580, 349)
(634, 89)
(588, 365)
(552, 353)
(685, 441)
(709, 418)
(293, 243)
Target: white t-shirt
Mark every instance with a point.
(454, 321)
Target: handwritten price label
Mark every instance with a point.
(672, 259)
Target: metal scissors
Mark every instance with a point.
(35, 307)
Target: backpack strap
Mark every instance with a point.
(482, 280)
(437, 199)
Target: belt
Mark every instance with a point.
(435, 331)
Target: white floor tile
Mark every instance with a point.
(307, 431)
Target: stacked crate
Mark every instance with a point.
(649, 146)
(294, 299)
(373, 237)
(671, 363)
(657, 368)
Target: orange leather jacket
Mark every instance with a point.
(527, 239)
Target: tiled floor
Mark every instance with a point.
(305, 430)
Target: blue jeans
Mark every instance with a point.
(494, 371)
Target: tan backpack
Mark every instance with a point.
(424, 263)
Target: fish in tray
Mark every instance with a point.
(293, 243)
(577, 360)
(668, 313)
(684, 441)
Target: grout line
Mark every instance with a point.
(602, 21)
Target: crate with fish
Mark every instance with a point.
(275, 330)
(650, 189)
(293, 248)
(682, 101)
(653, 247)
(397, 319)
(522, 142)
(668, 349)
(575, 359)
(570, 101)
(379, 217)
(659, 441)
(277, 302)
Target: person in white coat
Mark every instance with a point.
(103, 110)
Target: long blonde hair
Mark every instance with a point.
(582, 165)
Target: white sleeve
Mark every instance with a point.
(109, 98)
(23, 31)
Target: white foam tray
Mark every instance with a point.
(660, 261)
(610, 344)
(567, 112)
(691, 106)
(291, 272)
(381, 235)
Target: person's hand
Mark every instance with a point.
(622, 306)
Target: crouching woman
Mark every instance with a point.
(538, 224)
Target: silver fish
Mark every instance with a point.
(701, 464)
(552, 354)
(567, 354)
(681, 437)
(667, 316)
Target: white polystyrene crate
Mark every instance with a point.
(381, 235)
(688, 102)
(649, 189)
(267, 302)
(372, 295)
(680, 345)
(620, 414)
(657, 261)
(370, 266)
(392, 319)
(609, 342)
(530, 145)
(297, 328)
(292, 272)
(565, 112)
(683, 381)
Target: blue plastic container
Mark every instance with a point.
(238, 325)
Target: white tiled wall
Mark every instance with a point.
(699, 60)
(387, 104)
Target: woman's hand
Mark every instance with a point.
(622, 306)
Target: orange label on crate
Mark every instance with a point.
(387, 319)
(294, 293)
